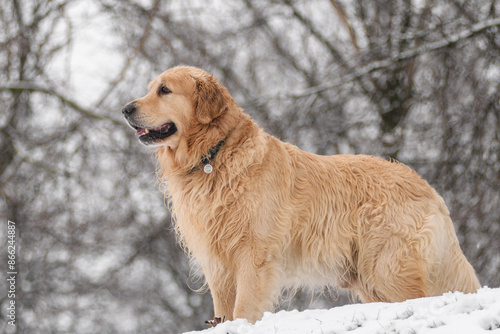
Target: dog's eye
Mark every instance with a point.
(163, 90)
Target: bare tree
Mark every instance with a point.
(417, 81)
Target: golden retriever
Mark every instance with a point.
(260, 215)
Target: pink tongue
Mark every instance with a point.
(163, 128)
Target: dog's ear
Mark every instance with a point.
(212, 100)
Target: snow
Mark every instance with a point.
(454, 313)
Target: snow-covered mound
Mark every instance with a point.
(454, 313)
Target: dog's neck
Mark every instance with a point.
(207, 158)
(185, 160)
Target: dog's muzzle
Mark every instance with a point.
(148, 135)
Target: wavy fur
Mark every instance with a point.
(271, 216)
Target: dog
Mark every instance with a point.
(260, 215)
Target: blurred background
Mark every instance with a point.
(417, 81)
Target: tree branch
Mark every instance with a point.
(33, 87)
(376, 65)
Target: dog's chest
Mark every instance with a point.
(205, 213)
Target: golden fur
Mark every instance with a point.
(271, 216)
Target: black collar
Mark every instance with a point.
(212, 152)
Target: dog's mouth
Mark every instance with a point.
(150, 135)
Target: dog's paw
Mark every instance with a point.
(215, 321)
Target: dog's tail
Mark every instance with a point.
(456, 274)
(465, 278)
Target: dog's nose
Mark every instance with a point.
(129, 109)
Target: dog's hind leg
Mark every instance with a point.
(394, 273)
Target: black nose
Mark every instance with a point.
(129, 109)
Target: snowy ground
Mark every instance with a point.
(454, 313)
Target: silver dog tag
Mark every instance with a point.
(208, 168)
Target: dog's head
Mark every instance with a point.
(177, 101)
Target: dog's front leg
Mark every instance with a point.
(257, 286)
(223, 290)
